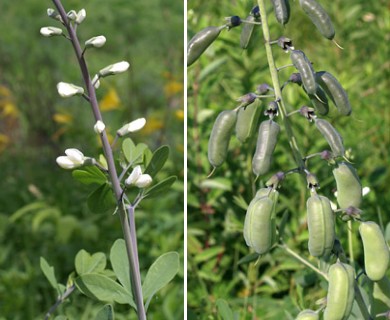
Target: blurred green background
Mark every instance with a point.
(278, 286)
(36, 126)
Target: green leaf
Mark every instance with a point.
(86, 263)
(249, 258)
(133, 153)
(208, 254)
(102, 288)
(102, 199)
(159, 158)
(160, 187)
(89, 175)
(48, 271)
(120, 263)
(105, 313)
(160, 273)
(224, 310)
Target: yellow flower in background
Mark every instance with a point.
(63, 118)
(154, 123)
(172, 88)
(179, 114)
(110, 101)
(4, 91)
(4, 142)
(8, 109)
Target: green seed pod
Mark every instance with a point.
(340, 292)
(376, 252)
(281, 10)
(349, 188)
(335, 91)
(220, 137)
(320, 222)
(259, 225)
(319, 17)
(308, 315)
(266, 142)
(303, 65)
(247, 121)
(200, 42)
(246, 32)
(332, 136)
(321, 106)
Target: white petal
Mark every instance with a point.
(50, 31)
(143, 181)
(99, 126)
(81, 16)
(134, 176)
(95, 81)
(75, 155)
(66, 90)
(65, 163)
(136, 125)
(365, 191)
(96, 42)
(116, 68)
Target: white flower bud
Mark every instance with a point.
(115, 68)
(50, 31)
(96, 42)
(81, 15)
(138, 179)
(72, 15)
(133, 126)
(95, 81)
(74, 158)
(66, 90)
(99, 126)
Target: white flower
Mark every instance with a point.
(81, 16)
(133, 126)
(72, 15)
(95, 81)
(50, 31)
(115, 68)
(74, 158)
(96, 42)
(99, 126)
(66, 90)
(138, 179)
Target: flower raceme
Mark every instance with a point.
(138, 179)
(74, 158)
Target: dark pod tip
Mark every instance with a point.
(255, 12)
(233, 21)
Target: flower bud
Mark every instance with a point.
(50, 31)
(66, 90)
(72, 15)
(115, 68)
(96, 42)
(138, 179)
(133, 126)
(74, 158)
(95, 81)
(99, 126)
(81, 15)
(53, 14)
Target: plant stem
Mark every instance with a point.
(60, 300)
(278, 93)
(126, 218)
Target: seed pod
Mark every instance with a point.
(320, 222)
(266, 142)
(200, 42)
(303, 65)
(281, 10)
(376, 252)
(247, 121)
(340, 292)
(335, 91)
(220, 137)
(349, 188)
(332, 136)
(259, 225)
(246, 32)
(319, 17)
(308, 315)
(320, 101)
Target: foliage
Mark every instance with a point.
(277, 286)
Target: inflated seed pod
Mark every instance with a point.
(376, 252)
(307, 315)
(266, 142)
(246, 32)
(332, 136)
(220, 137)
(247, 121)
(259, 225)
(320, 221)
(320, 101)
(303, 65)
(281, 10)
(200, 42)
(319, 17)
(335, 91)
(341, 292)
(349, 188)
